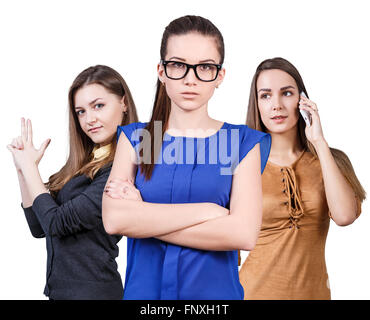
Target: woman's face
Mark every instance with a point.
(190, 93)
(277, 96)
(99, 112)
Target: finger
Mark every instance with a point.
(10, 148)
(44, 145)
(308, 108)
(113, 195)
(121, 183)
(19, 143)
(14, 143)
(29, 131)
(23, 130)
(118, 180)
(309, 103)
(314, 114)
(113, 185)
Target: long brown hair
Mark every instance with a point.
(254, 121)
(80, 145)
(162, 103)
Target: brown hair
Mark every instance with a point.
(80, 145)
(162, 103)
(254, 121)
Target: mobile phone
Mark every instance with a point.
(305, 114)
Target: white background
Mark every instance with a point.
(45, 44)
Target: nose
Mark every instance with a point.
(90, 117)
(190, 79)
(276, 103)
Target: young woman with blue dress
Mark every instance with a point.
(185, 188)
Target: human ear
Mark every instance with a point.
(220, 77)
(123, 104)
(160, 71)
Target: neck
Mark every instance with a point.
(181, 120)
(285, 144)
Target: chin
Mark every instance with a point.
(189, 105)
(281, 129)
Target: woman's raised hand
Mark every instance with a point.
(22, 148)
(314, 132)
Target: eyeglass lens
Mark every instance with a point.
(177, 70)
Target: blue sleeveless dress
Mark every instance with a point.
(189, 170)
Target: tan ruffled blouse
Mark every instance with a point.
(288, 261)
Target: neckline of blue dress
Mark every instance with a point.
(216, 133)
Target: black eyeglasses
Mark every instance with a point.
(176, 70)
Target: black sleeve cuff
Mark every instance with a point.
(33, 222)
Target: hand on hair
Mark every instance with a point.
(314, 132)
(122, 189)
(22, 148)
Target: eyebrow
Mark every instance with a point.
(281, 89)
(202, 61)
(90, 103)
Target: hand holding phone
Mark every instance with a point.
(305, 114)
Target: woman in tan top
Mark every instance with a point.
(305, 183)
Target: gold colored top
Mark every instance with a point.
(102, 152)
(288, 261)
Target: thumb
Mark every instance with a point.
(10, 148)
(44, 145)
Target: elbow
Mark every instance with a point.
(110, 222)
(344, 220)
(109, 227)
(249, 233)
(38, 235)
(248, 244)
(247, 241)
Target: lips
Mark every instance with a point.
(279, 117)
(189, 94)
(95, 129)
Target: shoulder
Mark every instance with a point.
(131, 131)
(245, 131)
(248, 135)
(132, 126)
(248, 138)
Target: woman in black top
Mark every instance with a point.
(67, 209)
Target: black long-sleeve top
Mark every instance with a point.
(80, 254)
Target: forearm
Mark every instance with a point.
(227, 233)
(138, 219)
(339, 194)
(33, 182)
(26, 199)
(31, 218)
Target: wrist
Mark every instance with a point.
(28, 166)
(320, 144)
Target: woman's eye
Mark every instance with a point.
(79, 112)
(99, 106)
(205, 67)
(265, 96)
(178, 65)
(287, 93)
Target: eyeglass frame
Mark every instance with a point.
(191, 66)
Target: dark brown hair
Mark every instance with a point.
(254, 121)
(162, 103)
(80, 145)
